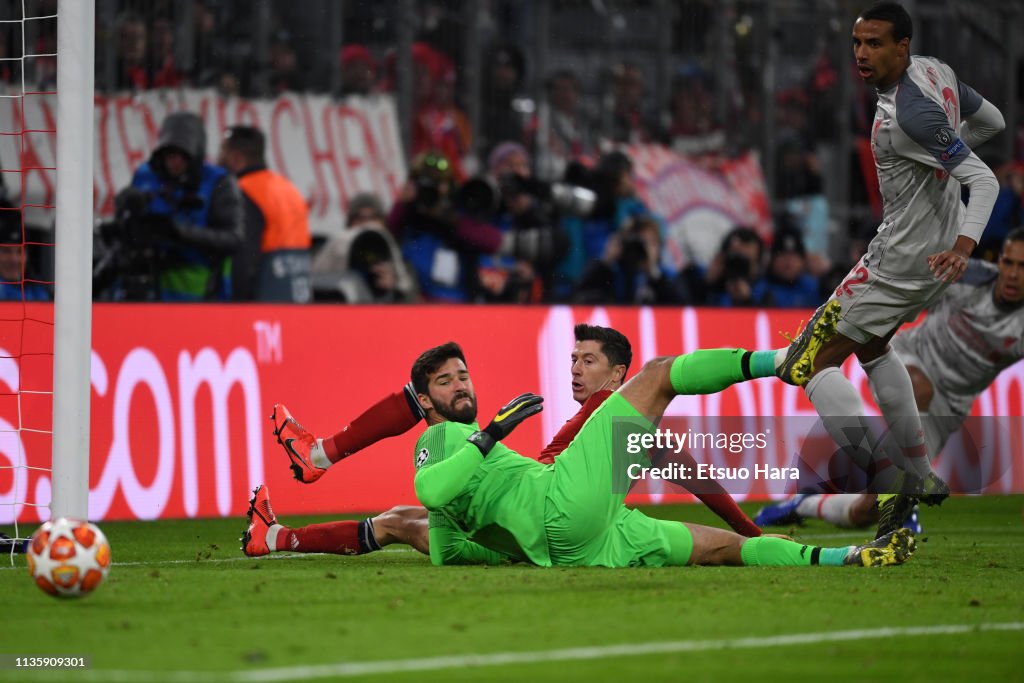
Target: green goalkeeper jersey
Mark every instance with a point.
(481, 509)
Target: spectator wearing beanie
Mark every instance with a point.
(787, 284)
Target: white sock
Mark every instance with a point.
(780, 356)
(808, 507)
(842, 414)
(833, 508)
(272, 536)
(318, 456)
(894, 393)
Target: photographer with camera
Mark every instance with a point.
(176, 226)
(362, 263)
(441, 243)
(527, 213)
(732, 273)
(613, 183)
(629, 272)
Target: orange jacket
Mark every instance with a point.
(285, 214)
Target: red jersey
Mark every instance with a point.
(572, 427)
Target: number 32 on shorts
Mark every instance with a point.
(857, 276)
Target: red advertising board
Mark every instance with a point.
(181, 395)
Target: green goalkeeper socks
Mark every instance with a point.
(708, 371)
(764, 551)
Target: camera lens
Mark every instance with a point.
(573, 199)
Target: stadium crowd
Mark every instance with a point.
(540, 204)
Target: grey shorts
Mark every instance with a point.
(874, 305)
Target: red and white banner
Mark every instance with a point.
(701, 202)
(181, 395)
(331, 149)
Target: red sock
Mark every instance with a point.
(720, 502)
(725, 507)
(337, 538)
(395, 414)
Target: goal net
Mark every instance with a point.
(45, 228)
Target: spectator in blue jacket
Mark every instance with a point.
(787, 284)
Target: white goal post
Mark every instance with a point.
(72, 313)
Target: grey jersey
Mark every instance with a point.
(966, 340)
(916, 146)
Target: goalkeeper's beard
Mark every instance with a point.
(465, 414)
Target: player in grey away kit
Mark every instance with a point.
(925, 127)
(971, 334)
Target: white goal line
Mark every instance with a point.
(422, 664)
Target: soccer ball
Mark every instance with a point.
(68, 558)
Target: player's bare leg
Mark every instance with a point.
(403, 524)
(924, 391)
(864, 510)
(716, 547)
(706, 371)
(650, 390)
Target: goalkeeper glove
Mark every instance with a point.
(507, 419)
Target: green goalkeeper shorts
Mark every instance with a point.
(631, 540)
(585, 520)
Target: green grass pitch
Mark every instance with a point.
(182, 604)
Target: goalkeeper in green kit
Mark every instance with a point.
(489, 504)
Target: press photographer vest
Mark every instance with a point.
(283, 207)
(283, 273)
